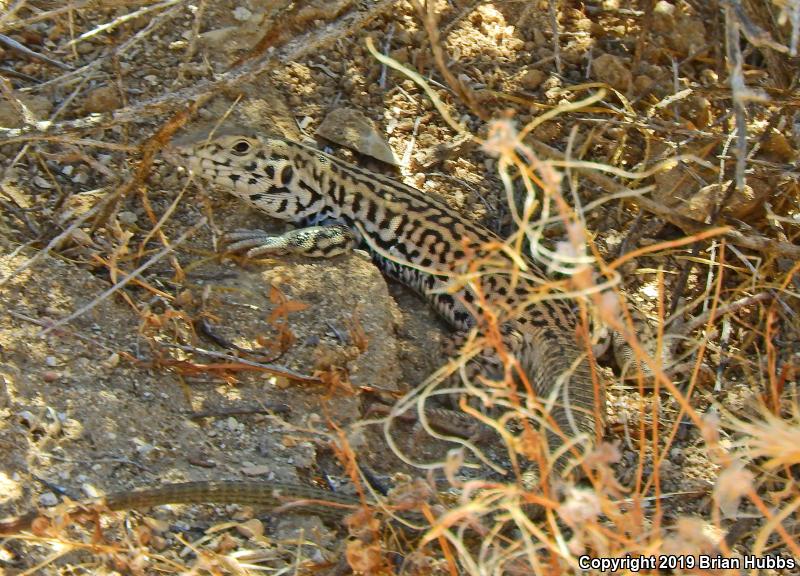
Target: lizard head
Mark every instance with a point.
(260, 169)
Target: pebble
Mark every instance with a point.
(219, 37)
(613, 71)
(532, 79)
(40, 182)
(242, 14)
(112, 361)
(252, 528)
(89, 490)
(50, 375)
(127, 217)
(156, 525)
(48, 499)
(233, 424)
(144, 449)
(102, 99)
(256, 470)
(84, 48)
(27, 418)
(738, 204)
(39, 106)
(351, 128)
(709, 77)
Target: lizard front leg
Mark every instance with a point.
(311, 242)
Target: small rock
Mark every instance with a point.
(42, 183)
(67, 170)
(156, 525)
(102, 99)
(689, 35)
(400, 54)
(89, 490)
(709, 77)
(293, 526)
(144, 449)
(84, 48)
(242, 14)
(27, 418)
(252, 528)
(50, 375)
(158, 543)
(739, 203)
(127, 217)
(778, 145)
(201, 461)
(39, 107)
(51, 361)
(256, 470)
(699, 110)
(219, 37)
(352, 129)
(232, 424)
(48, 499)
(532, 79)
(80, 178)
(583, 25)
(113, 360)
(663, 17)
(611, 70)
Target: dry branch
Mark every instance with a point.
(752, 240)
(298, 48)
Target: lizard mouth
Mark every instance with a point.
(178, 156)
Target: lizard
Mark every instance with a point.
(413, 238)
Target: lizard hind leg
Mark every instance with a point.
(311, 242)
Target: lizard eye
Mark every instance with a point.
(241, 147)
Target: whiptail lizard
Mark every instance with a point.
(413, 238)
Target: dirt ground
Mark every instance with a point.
(132, 393)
